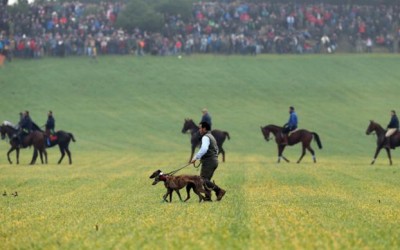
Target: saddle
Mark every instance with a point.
(293, 131)
(53, 137)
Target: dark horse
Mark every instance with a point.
(63, 139)
(380, 134)
(220, 136)
(301, 135)
(35, 139)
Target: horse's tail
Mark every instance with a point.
(72, 137)
(227, 135)
(316, 137)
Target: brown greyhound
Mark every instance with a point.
(175, 183)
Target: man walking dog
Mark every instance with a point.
(208, 156)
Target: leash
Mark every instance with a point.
(198, 165)
(179, 169)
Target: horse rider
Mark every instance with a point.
(206, 117)
(25, 126)
(21, 117)
(392, 128)
(289, 126)
(49, 126)
(208, 156)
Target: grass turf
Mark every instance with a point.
(126, 114)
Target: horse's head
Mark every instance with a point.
(371, 127)
(2, 131)
(187, 125)
(7, 128)
(265, 131)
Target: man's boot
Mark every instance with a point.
(220, 194)
(208, 186)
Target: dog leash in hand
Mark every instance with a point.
(198, 165)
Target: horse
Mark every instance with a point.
(63, 139)
(35, 138)
(380, 134)
(301, 135)
(219, 135)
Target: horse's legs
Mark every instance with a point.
(279, 154)
(280, 151)
(222, 151)
(45, 155)
(41, 155)
(17, 153)
(69, 155)
(390, 157)
(378, 149)
(35, 155)
(303, 152)
(62, 154)
(8, 155)
(312, 153)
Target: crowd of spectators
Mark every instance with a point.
(225, 27)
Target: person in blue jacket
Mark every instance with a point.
(289, 126)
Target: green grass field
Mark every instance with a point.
(126, 114)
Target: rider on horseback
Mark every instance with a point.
(50, 124)
(289, 126)
(25, 126)
(206, 117)
(392, 128)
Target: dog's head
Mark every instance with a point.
(156, 176)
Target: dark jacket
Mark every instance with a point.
(394, 122)
(206, 118)
(26, 124)
(50, 124)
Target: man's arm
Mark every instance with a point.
(205, 143)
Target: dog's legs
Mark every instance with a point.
(201, 198)
(165, 196)
(188, 187)
(200, 189)
(170, 191)
(179, 194)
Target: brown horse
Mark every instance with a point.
(35, 139)
(220, 137)
(301, 135)
(380, 134)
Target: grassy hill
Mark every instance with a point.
(127, 113)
